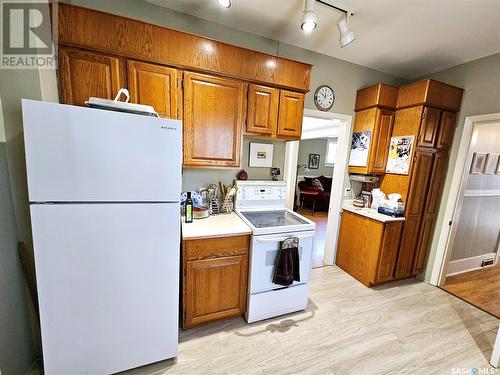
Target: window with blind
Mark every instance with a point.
(331, 152)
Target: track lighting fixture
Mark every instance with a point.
(309, 20)
(346, 35)
(224, 3)
(308, 17)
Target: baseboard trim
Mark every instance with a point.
(456, 267)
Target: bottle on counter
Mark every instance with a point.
(188, 208)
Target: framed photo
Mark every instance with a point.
(261, 155)
(400, 153)
(491, 164)
(360, 147)
(478, 163)
(313, 161)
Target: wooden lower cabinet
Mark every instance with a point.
(215, 279)
(368, 248)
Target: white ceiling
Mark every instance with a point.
(406, 38)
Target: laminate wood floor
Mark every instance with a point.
(480, 288)
(409, 327)
(321, 219)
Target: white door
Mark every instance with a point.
(76, 154)
(263, 259)
(108, 285)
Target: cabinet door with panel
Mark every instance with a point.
(214, 111)
(83, 74)
(429, 127)
(381, 140)
(262, 111)
(446, 130)
(421, 174)
(154, 85)
(431, 208)
(215, 289)
(290, 114)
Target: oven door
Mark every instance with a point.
(263, 258)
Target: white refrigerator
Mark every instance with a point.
(104, 190)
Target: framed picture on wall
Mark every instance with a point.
(478, 163)
(313, 161)
(491, 163)
(261, 155)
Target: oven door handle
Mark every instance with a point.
(278, 239)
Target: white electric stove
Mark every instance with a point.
(261, 204)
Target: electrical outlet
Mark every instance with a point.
(347, 192)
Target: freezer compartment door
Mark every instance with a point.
(108, 285)
(76, 154)
(263, 253)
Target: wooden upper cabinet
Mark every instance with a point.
(432, 93)
(214, 111)
(262, 111)
(382, 137)
(379, 122)
(379, 95)
(446, 130)
(290, 116)
(138, 40)
(84, 74)
(154, 85)
(429, 127)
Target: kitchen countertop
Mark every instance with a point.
(222, 225)
(369, 212)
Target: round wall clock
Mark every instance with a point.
(324, 97)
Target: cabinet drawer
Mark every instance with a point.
(215, 247)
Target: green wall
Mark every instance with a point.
(481, 81)
(16, 343)
(314, 146)
(344, 77)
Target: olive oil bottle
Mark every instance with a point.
(188, 208)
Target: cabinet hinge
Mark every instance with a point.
(178, 113)
(423, 115)
(180, 83)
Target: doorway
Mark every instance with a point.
(320, 155)
(471, 270)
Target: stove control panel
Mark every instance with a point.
(261, 193)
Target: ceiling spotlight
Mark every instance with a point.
(309, 22)
(224, 3)
(346, 35)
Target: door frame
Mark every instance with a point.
(339, 177)
(453, 202)
(495, 356)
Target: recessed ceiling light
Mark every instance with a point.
(309, 21)
(224, 3)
